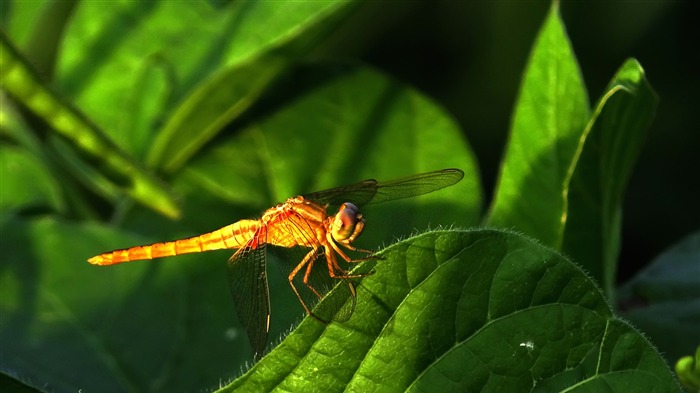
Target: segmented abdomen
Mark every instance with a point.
(231, 236)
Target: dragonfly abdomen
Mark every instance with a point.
(235, 235)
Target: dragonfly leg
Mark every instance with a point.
(333, 261)
(310, 266)
(308, 260)
(348, 246)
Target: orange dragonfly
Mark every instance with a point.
(299, 222)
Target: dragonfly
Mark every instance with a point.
(301, 223)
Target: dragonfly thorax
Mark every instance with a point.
(347, 224)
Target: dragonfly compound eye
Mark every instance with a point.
(345, 221)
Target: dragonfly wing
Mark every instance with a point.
(338, 294)
(313, 281)
(360, 193)
(247, 278)
(371, 191)
(328, 298)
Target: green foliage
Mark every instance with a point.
(220, 116)
(464, 311)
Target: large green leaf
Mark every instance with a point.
(467, 311)
(549, 119)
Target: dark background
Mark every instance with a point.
(448, 49)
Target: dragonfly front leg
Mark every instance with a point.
(332, 261)
(340, 252)
(349, 246)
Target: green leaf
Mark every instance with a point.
(476, 310)
(356, 124)
(118, 174)
(550, 116)
(608, 151)
(258, 56)
(663, 300)
(47, 30)
(562, 180)
(216, 102)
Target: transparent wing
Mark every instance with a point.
(247, 279)
(338, 294)
(371, 191)
(313, 281)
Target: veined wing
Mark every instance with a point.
(339, 305)
(247, 278)
(372, 191)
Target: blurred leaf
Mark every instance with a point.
(208, 109)
(257, 60)
(442, 312)
(608, 151)
(663, 300)
(119, 173)
(18, 19)
(47, 32)
(550, 116)
(69, 326)
(345, 129)
(16, 193)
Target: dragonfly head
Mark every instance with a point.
(348, 223)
